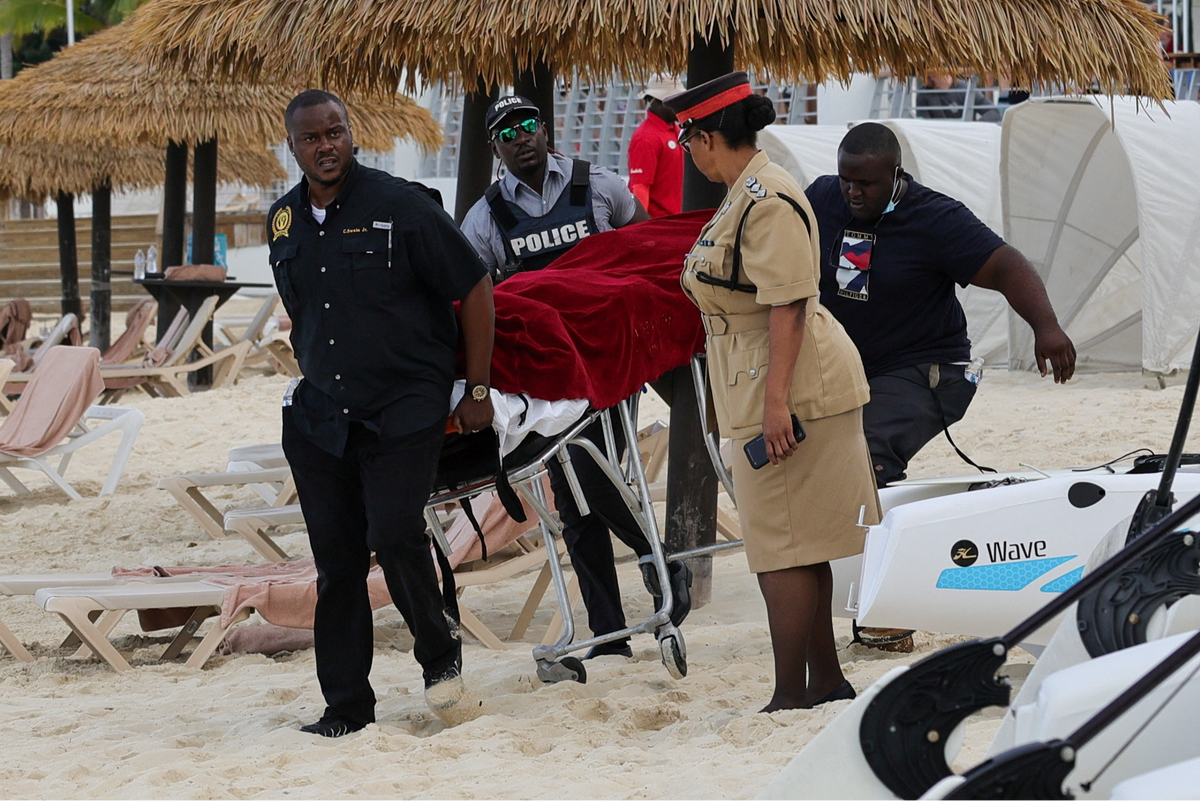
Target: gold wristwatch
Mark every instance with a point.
(478, 392)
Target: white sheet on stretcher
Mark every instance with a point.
(518, 415)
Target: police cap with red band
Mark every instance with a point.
(709, 98)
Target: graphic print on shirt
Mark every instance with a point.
(854, 265)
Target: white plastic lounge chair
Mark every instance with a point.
(29, 584)
(78, 607)
(170, 379)
(49, 409)
(6, 367)
(13, 383)
(252, 333)
(253, 457)
(274, 485)
(279, 345)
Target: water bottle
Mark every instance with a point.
(974, 371)
(139, 266)
(152, 261)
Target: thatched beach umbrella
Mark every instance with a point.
(1110, 44)
(37, 171)
(99, 92)
(378, 45)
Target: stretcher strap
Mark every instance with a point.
(449, 590)
(465, 503)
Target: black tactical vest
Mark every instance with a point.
(531, 243)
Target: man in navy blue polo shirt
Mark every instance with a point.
(892, 251)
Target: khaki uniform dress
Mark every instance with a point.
(805, 510)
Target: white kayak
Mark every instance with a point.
(1178, 782)
(1160, 730)
(977, 563)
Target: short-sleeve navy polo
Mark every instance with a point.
(891, 284)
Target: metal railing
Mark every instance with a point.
(596, 121)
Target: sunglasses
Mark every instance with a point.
(686, 141)
(507, 135)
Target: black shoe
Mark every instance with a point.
(332, 726)
(615, 648)
(681, 587)
(842, 692)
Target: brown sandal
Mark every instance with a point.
(899, 641)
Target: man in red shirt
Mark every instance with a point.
(655, 157)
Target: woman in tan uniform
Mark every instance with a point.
(774, 352)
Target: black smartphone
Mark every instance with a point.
(756, 449)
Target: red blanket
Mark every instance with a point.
(603, 319)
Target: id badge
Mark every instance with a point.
(854, 265)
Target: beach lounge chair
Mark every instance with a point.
(6, 367)
(130, 344)
(57, 406)
(252, 333)
(274, 485)
(170, 378)
(279, 345)
(29, 584)
(282, 594)
(66, 329)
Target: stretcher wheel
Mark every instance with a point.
(674, 657)
(567, 669)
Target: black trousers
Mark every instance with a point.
(587, 536)
(905, 413)
(370, 500)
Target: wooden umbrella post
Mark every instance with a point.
(174, 205)
(691, 482)
(204, 201)
(68, 257)
(101, 290)
(537, 84)
(474, 153)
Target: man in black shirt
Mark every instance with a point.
(891, 252)
(369, 266)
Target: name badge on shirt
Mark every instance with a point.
(381, 225)
(854, 265)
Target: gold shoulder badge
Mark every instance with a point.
(281, 223)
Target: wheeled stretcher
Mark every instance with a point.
(523, 470)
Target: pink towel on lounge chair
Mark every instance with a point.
(66, 383)
(283, 593)
(15, 319)
(136, 320)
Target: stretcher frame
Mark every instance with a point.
(554, 662)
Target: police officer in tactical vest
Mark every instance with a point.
(542, 207)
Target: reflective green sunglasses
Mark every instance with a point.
(507, 135)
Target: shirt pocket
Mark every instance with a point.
(746, 375)
(372, 263)
(705, 264)
(282, 263)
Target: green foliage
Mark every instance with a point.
(40, 25)
(27, 16)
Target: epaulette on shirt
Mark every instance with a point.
(754, 189)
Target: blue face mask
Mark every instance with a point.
(897, 186)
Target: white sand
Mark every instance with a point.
(78, 729)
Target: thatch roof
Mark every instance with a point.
(38, 171)
(100, 91)
(377, 45)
